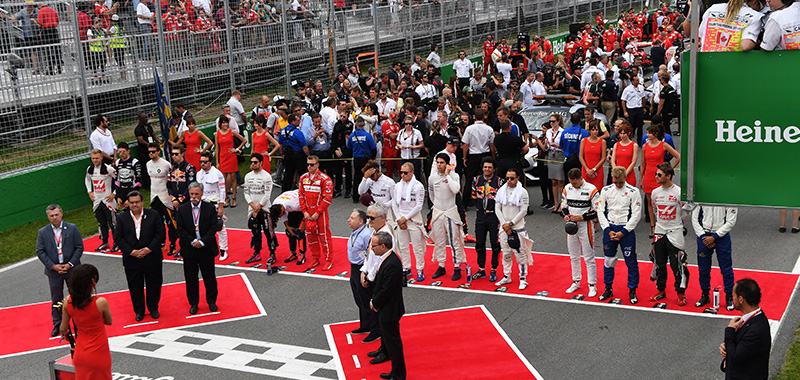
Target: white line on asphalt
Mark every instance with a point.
(202, 315)
(17, 264)
(140, 324)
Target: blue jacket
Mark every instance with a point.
(571, 140)
(71, 247)
(361, 143)
(292, 138)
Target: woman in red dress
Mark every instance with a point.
(89, 313)
(626, 151)
(653, 155)
(592, 156)
(193, 140)
(226, 156)
(261, 140)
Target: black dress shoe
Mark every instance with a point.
(56, 330)
(154, 314)
(375, 353)
(382, 358)
(213, 307)
(387, 375)
(359, 331)
(371, 338)
(193, 310)
(139, 317)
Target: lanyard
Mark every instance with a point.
(57, 237)
(196, 217)
(745, 321)
(137, 223)
(353, 240)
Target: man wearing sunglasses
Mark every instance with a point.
(409, 196)
(618, 212)
(257, 192)
(158, 170)
(511, 205)
(180, 176)
(315, 195)
(669, 233)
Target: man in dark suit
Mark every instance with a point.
(59, 247)
(387, 300)
(745, 352)
(197, 228)
(140, 234)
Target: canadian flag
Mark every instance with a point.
(723, 38)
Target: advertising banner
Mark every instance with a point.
(747, 132)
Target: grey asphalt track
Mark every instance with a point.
(561, 340)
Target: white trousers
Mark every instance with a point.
(523, 254)
(413, 235)
(582, 244)
(445, 232)
(223, 234)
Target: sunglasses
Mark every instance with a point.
(152, 151)
(370, 217)
(404, 173)
(510, 178)
(312, 164)
(659, 174)
(408, 123)
(204, 162)
(554, 121)
(254, 162)
(175, 154)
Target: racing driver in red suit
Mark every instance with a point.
(316, 193)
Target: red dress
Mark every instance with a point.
(653, 156)
(227, 160)
(261, 145)
(92, 358)
(624, 158)
(593, 154)
(192, 142)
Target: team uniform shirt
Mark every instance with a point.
(257, 189)
(213, 185)
(488, 49)
(478, 136)
(620, 207)
(571, 139)
(361, 143)
(179, 179)
(390, 144)
(609, 37)
(290, 201)
(667, 203)
(408, 200)
(632, 96)
(452, 163)
(292, 138)
(442, 190)
(99, 9)
(714, 220)
(386, 107)
(578, 201)
(717, 35)
(171, 24)
(434, 59)
(382, 190)
(100, 181)
(782, 30)
(511, 206)
(462, 67)
(129, 173)
(158, 172)
(315, 193)
(104, 141)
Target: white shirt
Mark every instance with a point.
(290, 201)
(538, 89)
(409, 207)
(554, 139)
(586, 77)
(462, 68)
(442, 190)
(382, 189)
(717, 35)
(424, 91)
(478, 136)
(526, 89)
(510, 213)
(213, 185)
(257, 189)
(143, 10)
(104, 141)
(632, 96)
(205, 4)
(434, 59)
(628, 57)
(372, 262)
(621, 207)
(779, 31)
(714, 219)
(388, 106)
(667, 204)
(505, 69)
(329, 116)
(236, 111)
(414, 139)
(158, 172)
(675, 82)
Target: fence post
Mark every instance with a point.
(539, 17)
(377, 43)
(557, 23)
(229, 41)
(471, 24)
(497, 38)
(346, 35)
(81, 74)
(332, 46)
(411, 28)
(441, 21)
(575, 11)
(287, 72)
(590, 12)
(162, 51)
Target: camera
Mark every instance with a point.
(430, 104)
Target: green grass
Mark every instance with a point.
(791, 365)
(19, 243)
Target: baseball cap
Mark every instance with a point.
(467, 89)
(454, 140)
(114, 17)
(629, 47)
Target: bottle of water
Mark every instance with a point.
(716, 297)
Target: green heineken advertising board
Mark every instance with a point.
(747, 134)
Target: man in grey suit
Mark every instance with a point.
(59, 246)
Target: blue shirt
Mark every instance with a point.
(292, 138)
(667, 139)
(361, 143)
(358, 243)
(321, 142)
(571, 139)
(307, 126)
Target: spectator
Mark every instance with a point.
(342, 154)
(555, 156)
(145, 19)
(504, 68)
(102, 139)
(320, 143)
(97, 51)
(409, 142)
(633, 103)
(48, 21)
(433, 58)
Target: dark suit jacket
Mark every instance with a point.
(152, 235)
(208, 232)
(747, 350)
(71, 247)
(387, 292)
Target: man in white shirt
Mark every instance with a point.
(463, 68)
(526, 89)
(214, 192)
(257, 191)
(511, 205)
(380, 186)
(633, 105)
(409, 196)
(675, 81)
(503, 67)
(202, 4)
(424, 89)
(433, 58)
(328, 113)
(628, 54)
(144, 18)
(445, 224)
(237, 110)
(538, 87)
(586, 77)
(477, 143)
(385, 105)
(102, 139)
